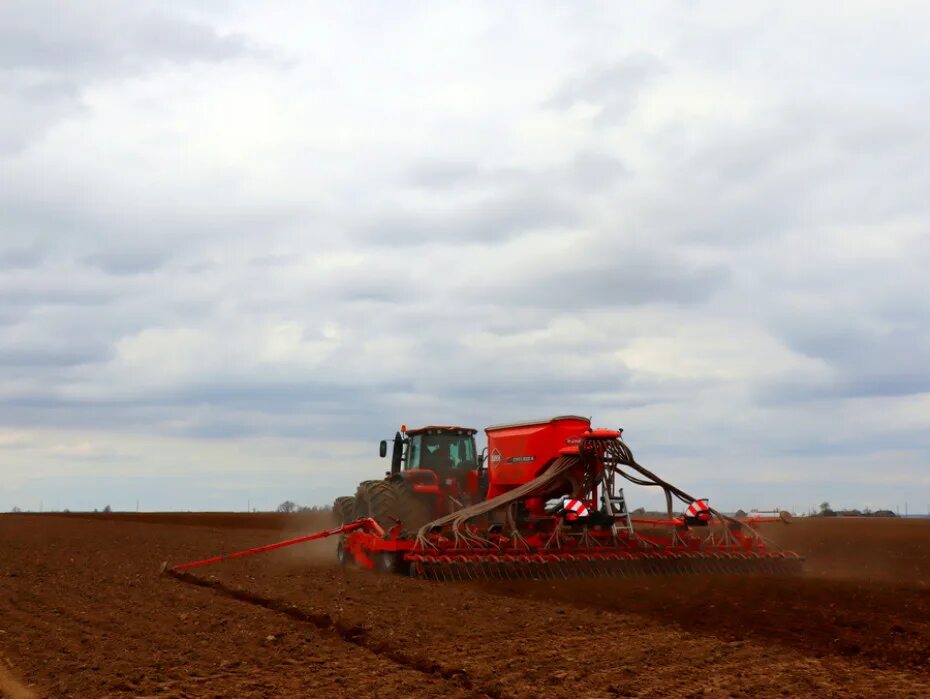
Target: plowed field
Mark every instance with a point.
(84, 613)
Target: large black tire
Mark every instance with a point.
(390, 502)
(344, 509)
(362, 496)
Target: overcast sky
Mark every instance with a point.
(242, 242)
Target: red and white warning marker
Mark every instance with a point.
(574, 509)
(699, 509)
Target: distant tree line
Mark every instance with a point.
(826, 511)
(291, 506)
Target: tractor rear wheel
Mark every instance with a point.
(344, 509)
(391, 502)
(362, 497)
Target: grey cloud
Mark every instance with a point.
(584, 170)
(104, 37)
(50, 52)
(864, 363)
(495, 218)
(52, 296)
(495, 203)
(275, 260)
(31, 357)
(317, 409)
(126, 262)
(614, 87)
(136, 236)
(20, 258)
(596, 171)
(805, 164)
(29, 108)
(611, 278)
(444, 174)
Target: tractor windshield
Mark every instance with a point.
(442, 452)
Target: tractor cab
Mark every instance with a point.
(445, 450)
(440, 461)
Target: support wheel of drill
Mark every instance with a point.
(391, 562)
(342, 556)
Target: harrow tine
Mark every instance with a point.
(625, 567)
(571, 567)
(565, 565)
(468, 568)
(485, 568)
(507, 569)
(494, 570)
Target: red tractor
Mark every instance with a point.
(434, 470)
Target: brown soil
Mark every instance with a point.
(83, 612)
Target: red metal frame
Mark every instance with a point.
(540, 547)
(362, 525)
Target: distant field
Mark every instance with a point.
(84, 613)
(237, 520)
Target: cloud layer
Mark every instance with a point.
(238, 247)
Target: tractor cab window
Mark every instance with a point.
(442, 452)
(413, 453)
